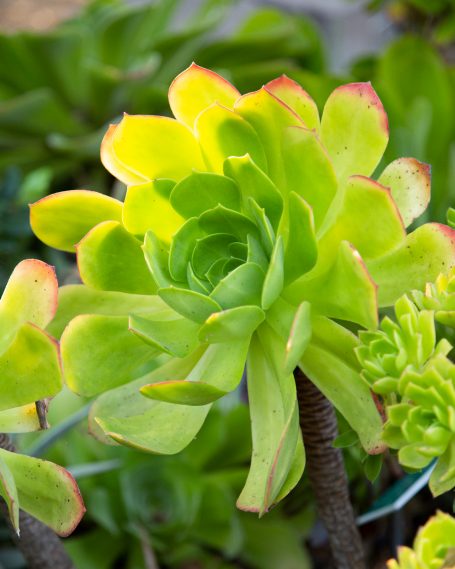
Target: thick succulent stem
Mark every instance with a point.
(327, 475)
(40, 546)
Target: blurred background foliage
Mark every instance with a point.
(59, 89)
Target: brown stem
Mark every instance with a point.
(327, 475)
(40, 546)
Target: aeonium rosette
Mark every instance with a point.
(433, 548)
(249, 226)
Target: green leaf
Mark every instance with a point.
(268, 116)
(143, 148)
(346, 440)
(426, 252)
(210, 249)
(100, 353)
(275, 425)
(20, 419)
(297, 99)
(190, 304)
(29, 368)
(232, 324)
(183, 392)
(223, 133)
(410, 183)
(301, 249)
(80, 299)
(372, 466)
(329, 362)
(110, 258)
(63, 219)
(201, 191)
(442, 478)
(354, 129)
(181, 249)
(8, 492)
(222, 220)
(309, 170)
(157, 258)
(146, 208)
(140, 423)
(240, 287)
(368, 218)
(346, 291)
(274, 278)
(254, 183)
(266, 233)
(53, 498)
(29, 296)
(173, 335)
(299, 337)
(197, 88)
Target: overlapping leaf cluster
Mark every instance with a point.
(30, 371)
(434, 546)
(410, 370)
(249, 225)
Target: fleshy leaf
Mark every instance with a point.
(368, 218)
(150, 147)
(329, 362)
(181, 249)
(29, 368)
(268, 116)
(174, 335)
(299, 337)
(100, 353)
(301, 250)
(223, 133)
(410, 183)
(292, 94)
(232, 324)
(201, 191)
(190, 304)
(113, 164)
(146, 208)
(156, 254)
(274, 278)
(241, 286)
(62, 219)
(20, 419)
(275, 426)
(426, 252)
(346, 291)
(354, 129)
(309, 170)
(183, 392)
(30, 296)
(197, 88)
(8, 492)
(53, 498)
(442, 478)
(221, 219)
(255, 184)
(140, 423)
(218, 371)
(80, 299)
(110, 258)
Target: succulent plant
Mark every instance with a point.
(434, 546)
(249, 226)
(439, 297)
(31, 372)
(408, 368)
